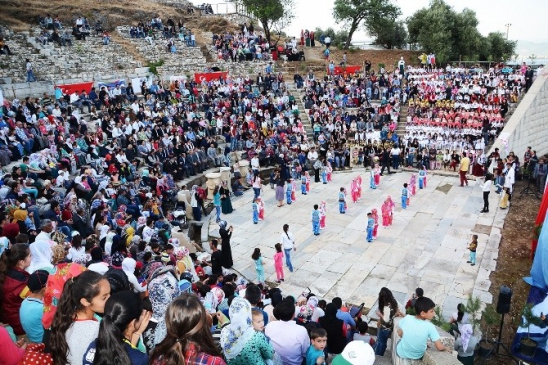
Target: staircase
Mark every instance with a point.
(400, 129)
(298, 94)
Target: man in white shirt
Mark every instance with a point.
(288, 339)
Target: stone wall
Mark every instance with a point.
(529, 123)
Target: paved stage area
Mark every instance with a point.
(425, 247)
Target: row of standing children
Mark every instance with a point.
(411, 188)
(278, 263)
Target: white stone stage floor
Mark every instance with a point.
(425, 247)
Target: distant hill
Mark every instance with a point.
(526, 48)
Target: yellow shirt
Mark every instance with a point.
(464, 164)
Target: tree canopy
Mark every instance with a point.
(272, 14)
(453, 36)
(373, 14)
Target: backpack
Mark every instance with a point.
(118, 280)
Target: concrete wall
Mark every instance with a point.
(528, 125)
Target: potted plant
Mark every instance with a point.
(528, 346)
(489, 318)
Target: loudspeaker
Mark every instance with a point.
(505, 297)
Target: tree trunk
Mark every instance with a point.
(351, 31)
(266, 28)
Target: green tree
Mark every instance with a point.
(388, 33)
(355, 12)
(338, 39)
(272, 14)
(452, 35)
(500, 49)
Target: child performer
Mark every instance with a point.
(413, 184)
(354, 190)
(404, 196)
(505, 195)
(342, 201)
(372, 184)
(473, 246)
(422, 177)
(359, 182)
(323, 211)
(324, 174)
(255, 206)
(377, 174)
(260, 206)
(303, 184)
(278, 262)
(293, 190)
(391, 206)
(370, 227)
(375, 215)
(385, 211)
(288, 191)
(316, 220)
(329, 171)
(307, 181)
(256, 256)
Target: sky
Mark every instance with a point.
(528, 17)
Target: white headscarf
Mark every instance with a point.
(41, 254)
(128, 265)
(235, 336)
(466, 333)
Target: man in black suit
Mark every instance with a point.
(186, 165)
(385, 160)
(79, 224)
(529, 74)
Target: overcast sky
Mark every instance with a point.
(528, 17)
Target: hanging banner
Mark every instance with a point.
(348, 69)
(75, 88)
(111, 84)
(208, 76)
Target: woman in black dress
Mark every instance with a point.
(226, 204)
(226, 250)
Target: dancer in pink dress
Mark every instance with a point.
(359, 182)
(385, 211)
(413, 184)
(260, 206)
(323, 211)
(391, 206)
(377, 174)
(354, 190)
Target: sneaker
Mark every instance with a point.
(278, 281)
(283, 280)
(472, 264)
(468, 262)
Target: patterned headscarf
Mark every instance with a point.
(239, 332)
(162, 289)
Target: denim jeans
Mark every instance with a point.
(382, 338)
(257, 192)
(218, 213)
(288, 259)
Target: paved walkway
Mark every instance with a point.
(425, 247)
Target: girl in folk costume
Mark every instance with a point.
(354, 190)
(391, 206)
(303, 184)
(385, 211)
(359, 185)
(377, 174)
(323, 211)
(293, 190)
(422, 177)
(413, 184)
(307, 175)
(288, 191)
(329, 171)
(260, 207)
(375, 215)
(372, 184)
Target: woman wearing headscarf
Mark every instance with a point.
(195, 203)
(226, 204)
(241, 344)
(128, 266)
(336, 340)
(465, 345)
(226, 250)
(162, 290)
(41, 256)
